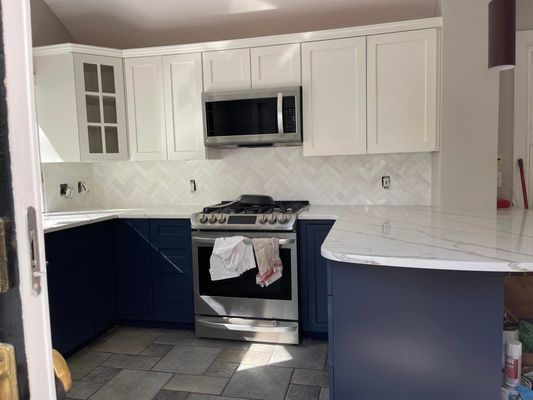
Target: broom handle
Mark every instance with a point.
(523, 181)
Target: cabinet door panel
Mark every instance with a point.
(276, 66)
(227, 70)
(146, 112)
(70, 303)
(402, 92)
(70, 269)
(100, 104)
(313, 274)
(183, 105)
(334, 97)
(104, 275)
(134, 275)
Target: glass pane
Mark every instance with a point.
(90, 73)
(108, 78)
(111, 139)
(110, 110)
(93, 108)
(95, 140)
(242, 117)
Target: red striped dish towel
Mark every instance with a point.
(268, 261)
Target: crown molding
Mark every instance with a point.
(424, 23)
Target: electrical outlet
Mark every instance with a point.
(385, 182)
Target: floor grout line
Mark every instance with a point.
(207, 344)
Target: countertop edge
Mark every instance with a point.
(425, 263)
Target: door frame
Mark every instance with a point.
(26, 181)
(523, 113)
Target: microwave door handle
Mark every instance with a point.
(280, 113)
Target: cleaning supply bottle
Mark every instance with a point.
(513, 363)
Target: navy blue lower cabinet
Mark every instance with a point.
(171, 258)
(104, 275)
(134, 270)
(313, 277)
(407, 333)
(69, 275)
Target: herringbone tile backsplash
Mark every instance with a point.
(281, 172)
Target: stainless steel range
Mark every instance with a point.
(238, 308)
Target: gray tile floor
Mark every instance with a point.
(158, 364)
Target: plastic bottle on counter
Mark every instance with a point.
(509, 393)
(513, 363)
(509, 333)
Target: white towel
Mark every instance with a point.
(268, 261)
(231, 257)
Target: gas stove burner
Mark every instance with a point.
(250, 212)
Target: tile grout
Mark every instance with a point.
(187, 343)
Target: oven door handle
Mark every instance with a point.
(244, 327)
(212, 240)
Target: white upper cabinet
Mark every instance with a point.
(57, 115)
(226, 70)
(334, 97)
(275, 66)
(146, 108)
(80, 108)
(402, 92)
(101, 110)
(183, 105)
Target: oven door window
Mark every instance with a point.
(245, 285)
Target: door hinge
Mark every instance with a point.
(8, 373)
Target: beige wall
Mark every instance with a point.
(465, 168)
(524, 15)
(524, 21)
(46, 27)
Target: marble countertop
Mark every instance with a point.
(322, 212)
(424, 237)
(397, 236)
(64, 220)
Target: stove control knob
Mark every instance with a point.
(283, 219)
(272, 219)
(213, 219)
(203, 218)
(263, 219)
(221, 218)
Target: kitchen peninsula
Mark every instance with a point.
(416, 300)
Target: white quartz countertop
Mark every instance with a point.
(63, 220)
(424, 237)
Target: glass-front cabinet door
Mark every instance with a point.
(101, 109)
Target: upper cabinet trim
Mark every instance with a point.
(365, 30)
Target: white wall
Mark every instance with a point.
(524, 15)
(46, 27)
(524, 21)
(466, 165)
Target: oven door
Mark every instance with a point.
(258, 117)
(241, 296)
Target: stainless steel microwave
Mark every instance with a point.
(253, 118)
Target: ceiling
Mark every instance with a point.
(139, 23)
